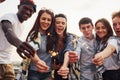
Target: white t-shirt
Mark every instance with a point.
(5, 47)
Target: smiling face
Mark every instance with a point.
(60, 25)
(116, 25)
(45, 22)
(25, 12)
(87, 29)
(100, 30)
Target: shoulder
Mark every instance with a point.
(81, 38)
(10, 17)
(72, 35)
(113, 37)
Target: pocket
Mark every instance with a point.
(7, 71)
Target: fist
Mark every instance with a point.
(25, 49)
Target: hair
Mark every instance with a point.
(36, 27)
(28, 2)
(63, 16)
(107, 25)
(85, 20)
(116, 14)
(54, 39)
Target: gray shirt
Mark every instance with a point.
(86, 51)
(111, 63)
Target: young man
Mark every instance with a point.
(86, 50)
(116, 23)
(11, 27)
(116, 27)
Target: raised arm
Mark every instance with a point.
(64, 70)
(99, 57)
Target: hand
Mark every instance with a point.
(25, 49)
(41, 66)
(63, 71)
(98, 59)
(73, 56)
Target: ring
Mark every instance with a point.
(26, 51)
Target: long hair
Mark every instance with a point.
(64, 34)
(36, 27)
(54, 39)
(108, 27)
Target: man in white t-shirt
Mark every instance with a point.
(11, 27)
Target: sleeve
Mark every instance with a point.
(8, 17)
(78, 48)
(69, 43)
(113, 41)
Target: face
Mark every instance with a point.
(2, 1)
(86, 29)
(45, 22)
(100, 30)
(60, 25)
(25, 12)
(116, 25)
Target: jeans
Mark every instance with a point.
(34, 75)
(58, 77)
(111, 75)
(7, 72)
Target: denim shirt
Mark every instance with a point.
(68, 46)
(42, 53)
(45, 56)
(70, 42)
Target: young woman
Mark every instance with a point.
(38, 38)
(60, 46)
(106, 44)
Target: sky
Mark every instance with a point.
(73, 9)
